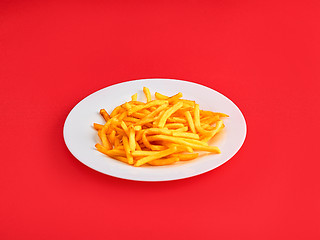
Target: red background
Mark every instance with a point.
(264, 55)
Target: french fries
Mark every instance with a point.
(161, 131)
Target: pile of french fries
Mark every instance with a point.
(157, 132)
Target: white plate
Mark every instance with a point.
(80, 137)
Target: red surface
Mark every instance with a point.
(264, 55)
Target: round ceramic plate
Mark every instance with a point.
(80, 137)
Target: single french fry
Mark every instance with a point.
(160, 96)
(125, 128)
(174, 125)
(156, 122)
(196, 115)
(134, 97)
(112, 136)
(157, 147)
(101, 148)
(116, 152)
(168, 113)
(104, 139)
(122, 159)
(132, 139)
(180, 148)
(209, 113)
(185, 135)
(138, 115)
(97, 126)
(145, 141)
(104, 114)
(143, 153)
(131, 119)
(212, 149)
(188, 116)
(221, 114)
(176, 120)
(147, 93)
(137, 102)
(164, 161)
(186, 156)
(158, 155)
(182, 129)
(125, 142)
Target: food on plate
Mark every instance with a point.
(160, 131)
